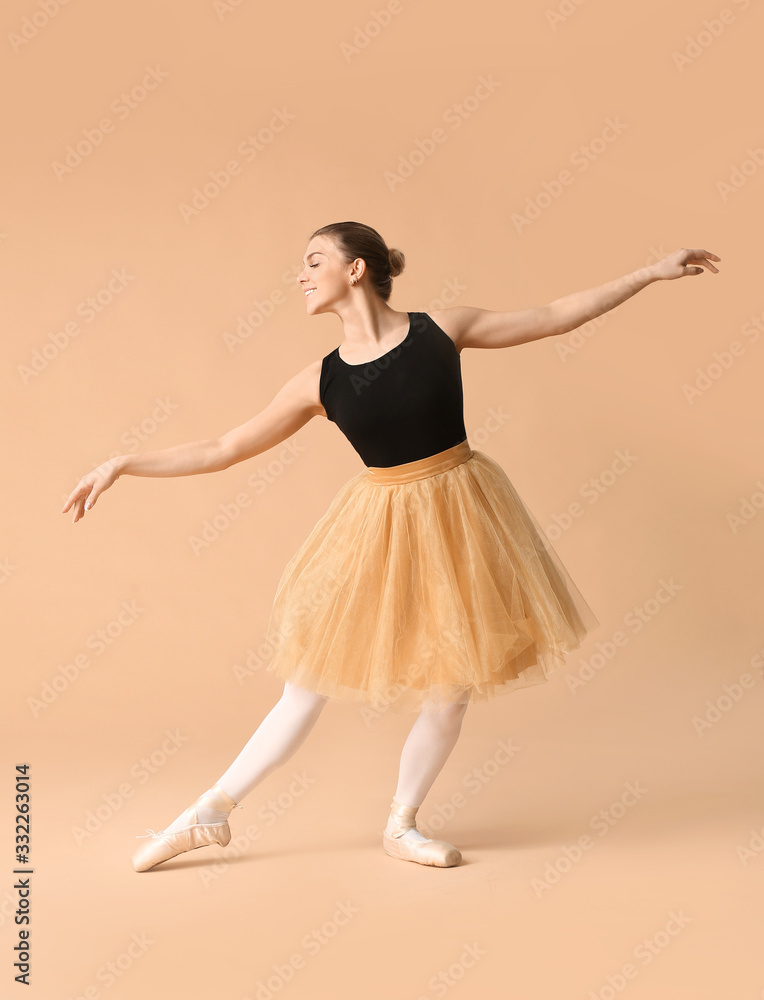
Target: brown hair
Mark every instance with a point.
(354, 239)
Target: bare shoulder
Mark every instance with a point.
(455, 321)
(304, 385)
(471, 326)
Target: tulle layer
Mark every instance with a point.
(430, 580)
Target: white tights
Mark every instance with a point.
(284, 729)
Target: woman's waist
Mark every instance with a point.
(430, 465)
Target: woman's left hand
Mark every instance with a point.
(682, 262)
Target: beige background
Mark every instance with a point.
(158, 712)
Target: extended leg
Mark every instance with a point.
(277, 737)
(282, 731)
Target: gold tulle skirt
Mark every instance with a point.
(425, 581)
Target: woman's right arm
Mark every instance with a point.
(292, 406)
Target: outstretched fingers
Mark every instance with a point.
(700, 258)
(80, 499)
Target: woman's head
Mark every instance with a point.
(345, 256)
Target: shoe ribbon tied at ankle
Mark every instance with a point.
(404, 817)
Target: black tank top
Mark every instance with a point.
(401, 407)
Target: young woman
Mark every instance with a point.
(427, 583)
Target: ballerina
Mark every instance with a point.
(427, 584)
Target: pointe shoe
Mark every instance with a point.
(425, 852)
(163, 846)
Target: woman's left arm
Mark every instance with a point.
(473, 327)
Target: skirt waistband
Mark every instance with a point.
(422, 467)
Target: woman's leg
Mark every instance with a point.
(432, 738)
(279, 735)
(206, 821)
(427, 747)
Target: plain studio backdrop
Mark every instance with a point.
(164, 167)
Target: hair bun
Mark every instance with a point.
(396, 260)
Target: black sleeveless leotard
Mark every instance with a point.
(401, 407)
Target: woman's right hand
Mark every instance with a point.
(91, 486)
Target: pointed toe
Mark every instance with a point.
(163, 846)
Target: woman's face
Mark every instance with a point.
(325, 278)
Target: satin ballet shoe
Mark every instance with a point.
(425, 852)
(163, 846)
